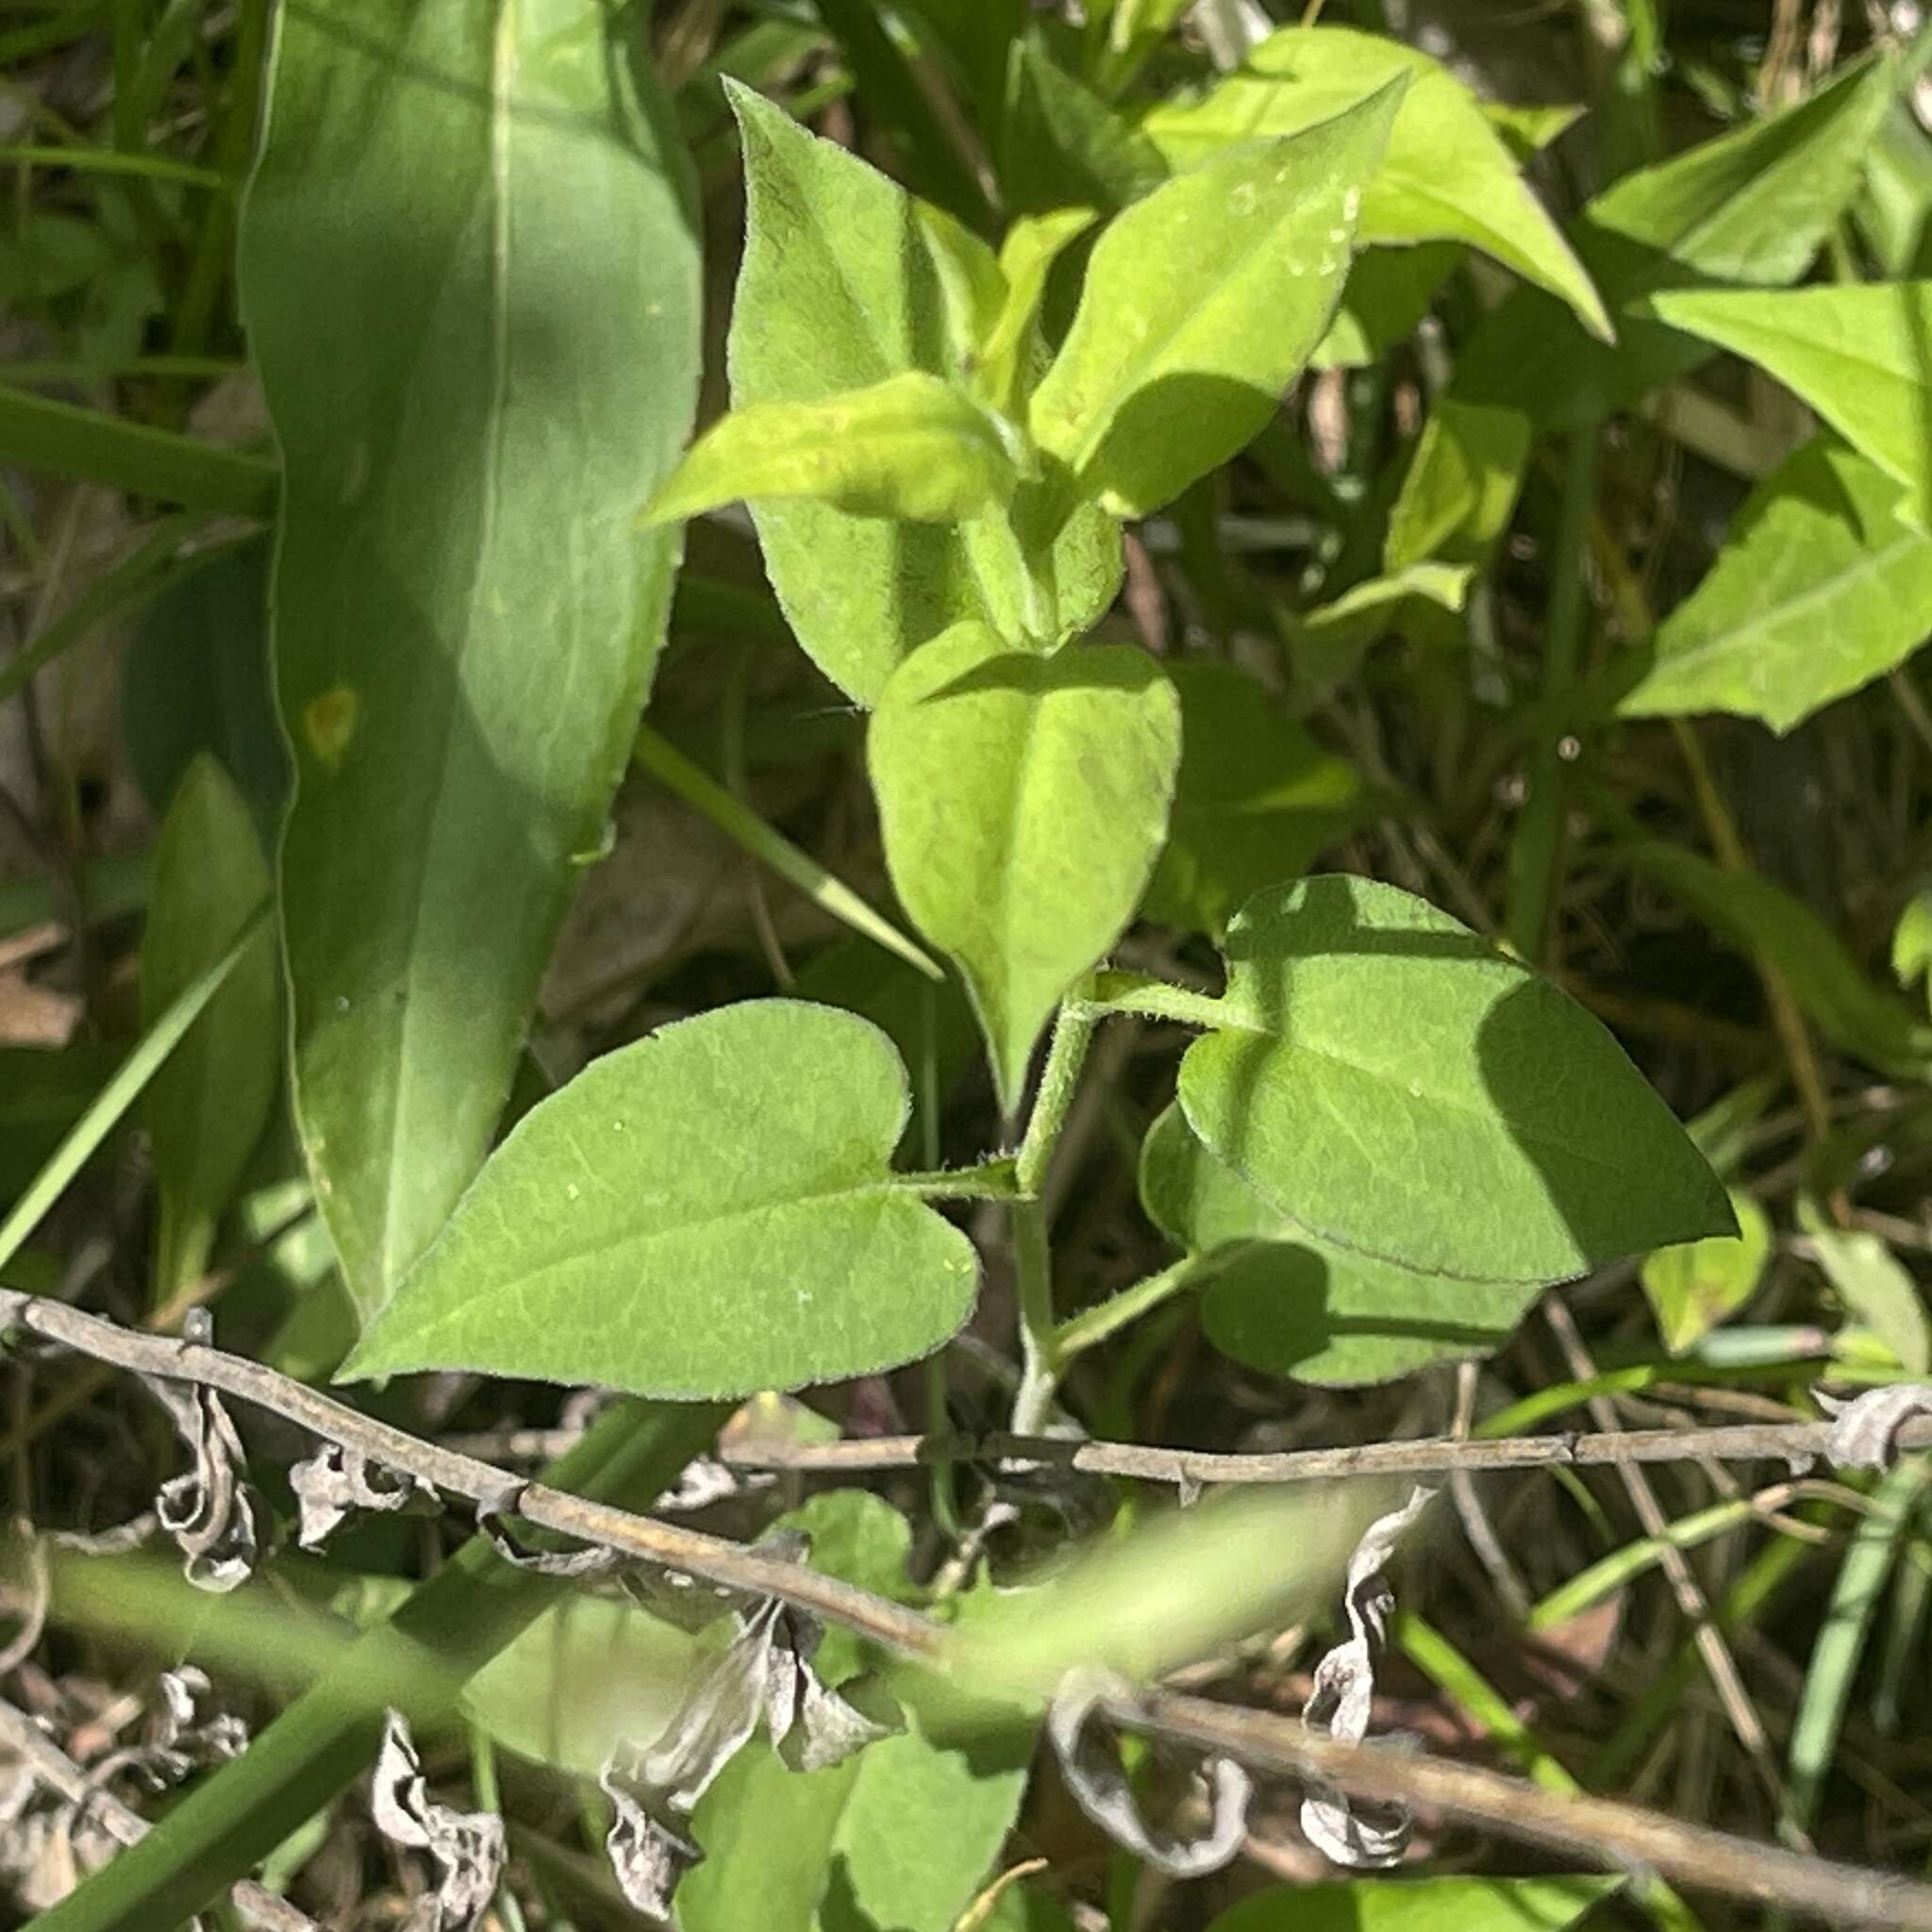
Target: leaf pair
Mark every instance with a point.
(878, 350)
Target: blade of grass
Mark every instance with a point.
(156, 566)
(104, 160)
(1466, 1687)
(107, 1107)
(1855, 1598)
(742, 825)
(88, 446)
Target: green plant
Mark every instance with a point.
(1124, 682)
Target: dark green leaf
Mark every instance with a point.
(1023, 801)
(206, 1107)
(707, 1212)
(1255, 801)
(1856, 1015)
(1065, 146)
(472, 285)
(1290, 1305)
(1394, 1085)
(194, 678)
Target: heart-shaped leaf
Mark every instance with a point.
(704, 1213)
(1023, 801)
(1393, 1084)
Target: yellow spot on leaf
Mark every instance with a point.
(328, 722)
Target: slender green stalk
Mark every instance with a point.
(1536, 855)
(1094, 1325)
(742, 825)
(448, 1629)
(105, 1112)
(104, 160)
(490, 1797)
(1072, 1034)
(1156, 999)
(990, 1181)
(1033, 1274)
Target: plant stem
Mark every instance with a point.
(1033, 1274)
(1096, 1324)
(1156, 999)
(1072, 1033)
(1536, 855)
(989, 1180)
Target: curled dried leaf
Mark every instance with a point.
(466, 1847)
(207, 1509)
(1865, 1428)
(1347, 1830)
(185, 1741)
(493, 1519)
(647, 1855)
(1097, 1781)
(764, 1676)
(335, 1482)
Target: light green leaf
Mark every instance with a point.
(1818, 588)
(1860, 355)
(1894, 206)
(1290, 1305)
(1255, 801)
(1202, 302)
(1750, 913)
(207, 1105)
(1753, 207)
(1874, 1286)
(848, 282)
(911, 446)
(470, 278)
(1911, 939)
(588, 1676)
(706, 1212)
(1419, 1904)
(901, 1835)
(1023, 801)
(1394, 1085)
(1031, 247)
(1459, 489)
(1447, 174)
(1526, 130)
(1693, 1286)
(1326, 645)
